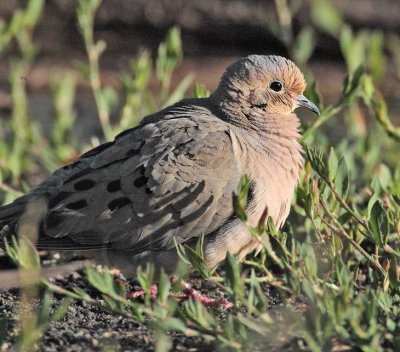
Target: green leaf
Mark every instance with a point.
(240, 198)
(308, 290)
(33, 12)
(309, 206)
(316, 161)
(313, 94)
(100, 47)
(353, 47)
(351, 85)
(162, 342)
(385, 301)
(179, 92)
(200, 91)
(145, 277)
(174, 43)
(196, 258)
(174, 324)
(81, 293)
(346, 39)
(197, 312)
(381, 114)
(23, 253)
(83, 68)
(16, 22)
(232, 269)
(253, 324)
(256, 297)
(272, 230)
(310, 262)
(169, 54)
(342, 178)
(333, 164)
(164, 287)
(375, 185)
(378, 224)
(305, 44)
(368, 89)
(375, 55)
(113, 292)
(384, 177)
(326, 16)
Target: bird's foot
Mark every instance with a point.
(140, 293)
(188, 292)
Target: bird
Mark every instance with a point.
(171, 179)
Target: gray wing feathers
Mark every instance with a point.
(171, 178)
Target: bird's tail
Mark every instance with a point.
(26, 210)
(9, 216)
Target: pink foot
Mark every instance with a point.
(187, 293)
(140, 293)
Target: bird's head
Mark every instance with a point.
(260, 83)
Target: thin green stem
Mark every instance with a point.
(9, 189)
(343, 232)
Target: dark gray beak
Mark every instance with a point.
(302, 101)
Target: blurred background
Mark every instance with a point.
(214, 33)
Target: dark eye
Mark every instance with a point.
(276, 86)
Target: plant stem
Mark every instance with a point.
(342, 231)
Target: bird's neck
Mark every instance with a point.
(227, 103)
(272, 138)
(273, 145)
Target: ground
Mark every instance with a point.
(85, 327)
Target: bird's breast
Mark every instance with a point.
(274, 170)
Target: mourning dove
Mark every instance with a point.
(172, 178)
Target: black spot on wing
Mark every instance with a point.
(118, 203)
(114, 186)
(140, 181)
(142, 170)
(80, 204)
(84, 185)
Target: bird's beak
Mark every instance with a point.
(302, 101)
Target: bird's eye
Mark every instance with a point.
(276, 86)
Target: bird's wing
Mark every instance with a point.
(165, 180)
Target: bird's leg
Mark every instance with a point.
(140, 293)
(187, 292)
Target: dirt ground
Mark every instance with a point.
(85, 327)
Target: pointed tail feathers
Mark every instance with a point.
(25, 210)
(9, 216)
